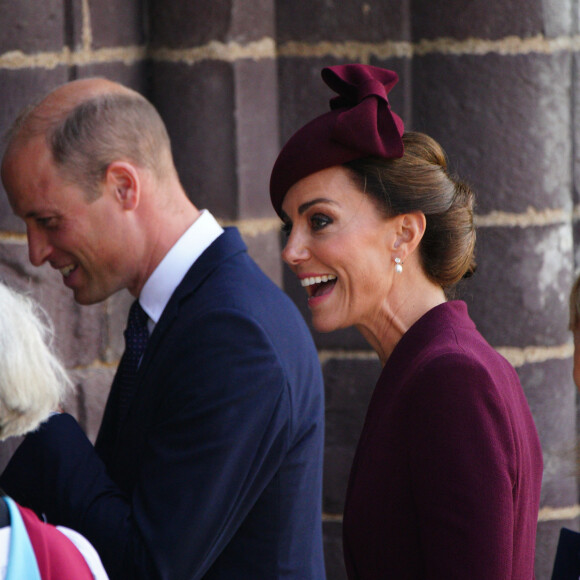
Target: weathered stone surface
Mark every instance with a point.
(197, 104)
(504, 122)
(116, 23)
(186, 23)
(552, 395)
(348, 386)
(32, 26)
(519, 294)
(575, 129)
(133, 75)
(477, 19)
(92, 388)
(256, 116)
(264, 249)
(331, 20)
(252, 20)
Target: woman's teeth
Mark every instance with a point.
(316, 280)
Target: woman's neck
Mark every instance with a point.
(406, 304)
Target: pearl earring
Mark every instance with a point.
(398, 265)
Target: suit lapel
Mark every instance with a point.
(222, 249)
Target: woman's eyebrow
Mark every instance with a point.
(308, 204)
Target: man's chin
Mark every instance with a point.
(87, 298)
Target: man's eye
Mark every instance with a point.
(319, 221)
(47, 222)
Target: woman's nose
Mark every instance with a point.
(295, 251)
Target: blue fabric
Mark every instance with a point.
(21, 559)
(567, 560)
(216, 473)
(136, 337)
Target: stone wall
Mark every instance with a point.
(495, 82)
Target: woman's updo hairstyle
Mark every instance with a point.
(419, 181)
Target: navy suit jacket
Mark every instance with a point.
(216, 472)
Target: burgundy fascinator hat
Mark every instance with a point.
(359, 124)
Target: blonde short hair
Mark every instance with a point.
(33, 381)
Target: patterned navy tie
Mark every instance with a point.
(136, 336)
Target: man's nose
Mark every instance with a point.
(38, 247)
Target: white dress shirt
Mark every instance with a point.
(172, 269)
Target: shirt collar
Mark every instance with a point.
(172, 269)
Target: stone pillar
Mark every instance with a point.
(213, 78)
(492, 83)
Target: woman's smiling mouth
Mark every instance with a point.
(318, 285)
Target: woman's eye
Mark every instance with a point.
(286, 228)
(319, 221)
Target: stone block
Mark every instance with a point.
(333, 554)
(256, 116)
(476, 19)
(349, 384)
(334, 21)
(252, 20)
(552, 397)
(116, 23)
(18, 89)
(198, 105)
(575, 128)
(133, 75)
(504, 122)
(519, 294)
(87, 403)
(264, 249)
(32, 27)
(186, 23)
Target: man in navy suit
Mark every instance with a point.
(214, 469)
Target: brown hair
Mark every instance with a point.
(419, 181)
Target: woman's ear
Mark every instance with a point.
(410, 231)
(123, 181)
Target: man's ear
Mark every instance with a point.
(409, 233)
(123, 181)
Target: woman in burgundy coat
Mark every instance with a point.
(446, 479)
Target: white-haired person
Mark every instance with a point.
(33, 384)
